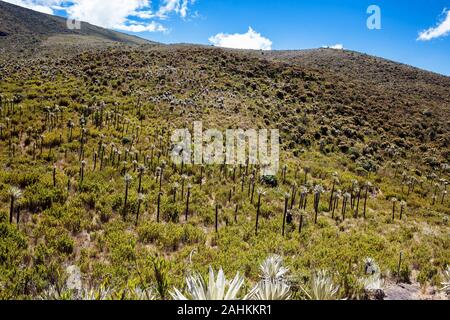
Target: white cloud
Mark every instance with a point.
(44, 6)
(177, 6)
(337, 46)
(126, 15)
(144, 14)
(441, 30)
(150, 27)
(111, 14)
(250, 40)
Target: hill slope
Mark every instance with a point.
(369, 69)
(21, 29)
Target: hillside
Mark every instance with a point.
(87, 185)
(22, 29)
(364, 68)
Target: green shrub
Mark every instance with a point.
(40, 197)
(193, 235)
(170, 212)
(149, 232)
(65, 244)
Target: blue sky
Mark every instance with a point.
(277, 25)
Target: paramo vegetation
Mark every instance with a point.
(91, 206)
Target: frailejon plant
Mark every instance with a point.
(252, 188)
(394, 202)
(335, 182)
(368, 185)
(300, 213)
(161, 174)
(231, 193)
(285, 213)
(102, 292)
(318, 190)
(216, 223)
(435, 193)
(69, 178)
(202, 168)
(128, 178)
(212, 289)
(269, 290)
(321, 287)
(83, 166)
(183, 182)
(141, 171)
(14, 194)
(284, 173)
(446, 281)
(403, 205)
(293, 195)
(96, 294)
(303, 197)
(337, 198)
(353, 193)
(371, 267)
(273, 284)
(372, 282)
(444, 194)
(54, 176)
(345, 199)
(95, 161)
(358, 198)
(188, 198)
(158, 174)
(158, 206)
(82, 142)
(175, 191)
(272, 268)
